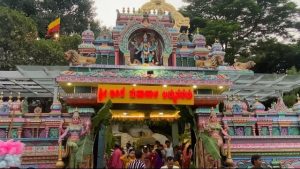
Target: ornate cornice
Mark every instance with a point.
(159, 77)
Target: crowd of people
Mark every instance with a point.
(155, 156)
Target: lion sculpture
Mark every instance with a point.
(243, 66)
(212, 62)
(76, 59)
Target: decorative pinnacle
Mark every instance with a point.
(133, 10)
(198, 30)
(216, 40)
(256, 98)
(1, 97)
(212, 111)
(10, 96)
(89, 26)
(238, 97)
(19, 95)
(234, 97)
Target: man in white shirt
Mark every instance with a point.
(169, 149)
(170, 164)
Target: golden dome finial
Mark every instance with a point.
(161, 5)
(158, 2)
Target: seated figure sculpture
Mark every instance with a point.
(146, 50)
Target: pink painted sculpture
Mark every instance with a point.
(76, 131)
(216, 131)
(10, 153)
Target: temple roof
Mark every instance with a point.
(30, 81)
(262, 85)
(39, 81)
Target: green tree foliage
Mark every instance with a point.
(46, 52)
(239, 23)
(256, 17)
(17, 32)
(75, 14)
(69, 42)
(219, 29)
(290, 98)
(274, 57)
(19, 44)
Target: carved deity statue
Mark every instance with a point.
(216, 131)
(76, 132)
(146, 50)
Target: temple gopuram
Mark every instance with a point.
(148, 66)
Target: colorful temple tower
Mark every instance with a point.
(150, 70)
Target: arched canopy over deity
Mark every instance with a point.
(162, 6)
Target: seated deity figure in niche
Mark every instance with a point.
(146, 50)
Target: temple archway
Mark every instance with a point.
(156, 30)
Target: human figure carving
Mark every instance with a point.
(75, 130)
(215, 130)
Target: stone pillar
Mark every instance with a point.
(127, 58)
(6, 132)
(165, 60)
(117, 57)
(253, 130)
(19, 132)
(175, 135)
(101, 147)
(270, 130)
(55, 93)
(56, 105)
(47, 131)
(174, 58)
(259, 130)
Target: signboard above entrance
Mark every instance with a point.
(145, 94)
